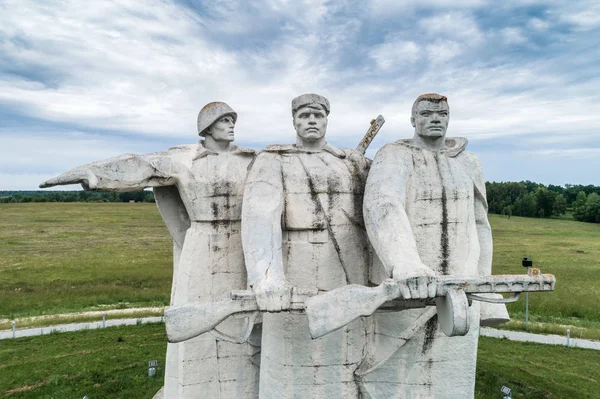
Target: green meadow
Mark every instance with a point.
(71, 257)
(571, 251)
(99, 364)
(71, 365)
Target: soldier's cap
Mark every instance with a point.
(212, 112)
(310, 98)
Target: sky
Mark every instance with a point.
(83, 81)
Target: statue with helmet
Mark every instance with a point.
(198, 190)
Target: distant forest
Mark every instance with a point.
(524, 198)
(531, 199)
(74, 196)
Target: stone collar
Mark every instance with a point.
(453, 145)
(202, 151)
(292, 149)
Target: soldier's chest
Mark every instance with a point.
(216, 175)
(316, 173)
(436, 178)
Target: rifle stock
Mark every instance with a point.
(189, 321)
(193, 319)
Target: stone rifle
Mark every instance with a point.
(332, 310)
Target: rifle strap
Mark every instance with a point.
(319, 205)
(370, 363)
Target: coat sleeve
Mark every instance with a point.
(484, 230)
(491, 314)
(261, 220)
(127, 172)
(384, 211)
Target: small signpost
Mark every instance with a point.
(506, 391)
(528, 263)
(152, 365)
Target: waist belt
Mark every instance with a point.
(312, 236)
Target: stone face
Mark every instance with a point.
(199, 192)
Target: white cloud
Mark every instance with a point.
(578, 153)
(460, 26)
(395, 52)
(442, 51)
(386, 8)
(538, 24)
(142, 70)
(513, 35)
(586, 19)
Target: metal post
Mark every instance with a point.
(103, 320)
(526, 310)
(14, 328)
(568, 338)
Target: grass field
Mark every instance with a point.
(113, 363)
(68, 257)
(571, 251)
(99, 364)
(536, 371)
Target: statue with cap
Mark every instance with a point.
(303, 230)
(198, 189)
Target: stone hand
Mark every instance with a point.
(75, 176)
(273, 295)
(420, 283)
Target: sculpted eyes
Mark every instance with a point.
(429, 113)
(317, 115)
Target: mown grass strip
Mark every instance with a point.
(536, 371)
(100, 364)
(113, 363)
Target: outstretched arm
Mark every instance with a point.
(127, 172)
(386, 220)
(261, 233)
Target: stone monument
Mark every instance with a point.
(363, 274)
(199, 191)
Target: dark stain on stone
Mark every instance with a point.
(215, 212)
(430, 330)
(444, 238)
(319, 209)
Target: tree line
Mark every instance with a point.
(531, 199)
(523, 198)
(74, 196)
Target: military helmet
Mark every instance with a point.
(210, 113)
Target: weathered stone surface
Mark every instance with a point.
(302, 231)
(302, 227)
(199, 194)
(426, 214)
